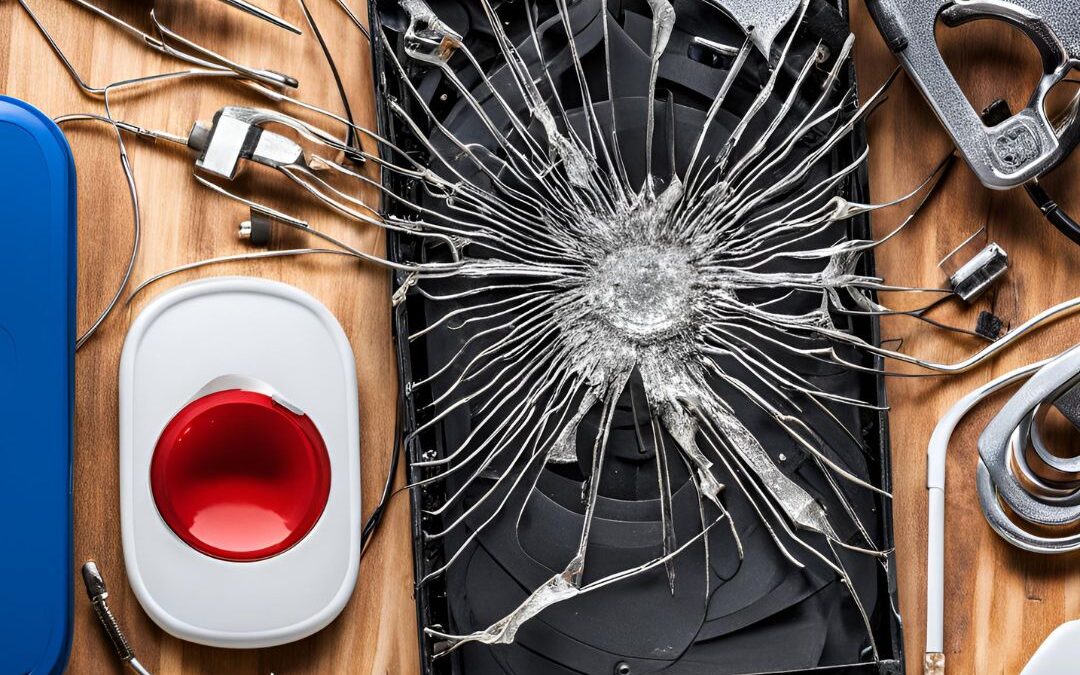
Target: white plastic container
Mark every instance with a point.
(239, 333)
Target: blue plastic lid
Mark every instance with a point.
(37, 355)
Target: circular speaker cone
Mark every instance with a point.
(239, 477)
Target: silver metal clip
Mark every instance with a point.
(982, 269)
(230, 139)
(428, 38)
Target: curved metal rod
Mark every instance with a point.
(303, 226)
(137, 227)
(233, 258)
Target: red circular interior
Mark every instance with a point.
(239, 477)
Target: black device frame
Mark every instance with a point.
(431, 602)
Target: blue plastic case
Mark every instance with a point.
(37, 338)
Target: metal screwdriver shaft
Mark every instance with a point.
(254, 10)
(98, 594)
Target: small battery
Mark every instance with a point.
(979, 274)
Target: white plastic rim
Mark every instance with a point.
(239, 329)
(1060, 653)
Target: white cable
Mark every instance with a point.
(934, 662)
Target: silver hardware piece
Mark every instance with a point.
(1069, 406)
(1024, 146)
(762, 21)
(428, 38)
(98, 594)
(235, 135)
(1005, 478)
(977, 275)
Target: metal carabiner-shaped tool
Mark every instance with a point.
(1001, 485)
(1022, 147)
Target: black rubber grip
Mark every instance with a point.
(1054, 213)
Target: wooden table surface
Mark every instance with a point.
(1000, 602)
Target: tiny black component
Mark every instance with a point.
(989, 325)
(260, 229)
(996, 113)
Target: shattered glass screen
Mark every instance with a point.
(646, 433)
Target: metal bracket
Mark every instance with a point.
(234, 135)
(980, 273)
(762, 21)
(1024, 146)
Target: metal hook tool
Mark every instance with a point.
(1027, 144)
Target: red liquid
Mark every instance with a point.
(238, 477)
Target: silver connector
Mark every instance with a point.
(977, 275)
(99, 594)
(934, 663)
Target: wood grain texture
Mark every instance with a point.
(184, 222)
(1000, 603)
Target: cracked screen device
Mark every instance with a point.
(37, 354)
(589, 500)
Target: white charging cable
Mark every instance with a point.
(934, 659)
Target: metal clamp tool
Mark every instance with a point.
(1013, 484)
(1027, 144)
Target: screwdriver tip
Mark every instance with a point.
(95, 584)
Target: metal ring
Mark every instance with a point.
(1070, 465)
(1011, 532)
(1020, 467)
(1006, 477)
